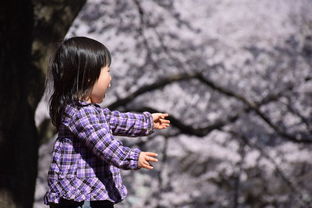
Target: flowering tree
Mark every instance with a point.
(235, 78)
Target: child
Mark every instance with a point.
(86, 161)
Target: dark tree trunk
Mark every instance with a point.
(18, 137)
(24, 45)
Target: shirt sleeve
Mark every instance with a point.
(93, 130)
(129, 124)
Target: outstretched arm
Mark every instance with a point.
(93, 132)
(134, 124)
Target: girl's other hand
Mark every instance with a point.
(159, 120)
(145, 158)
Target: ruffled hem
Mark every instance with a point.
(79, 190)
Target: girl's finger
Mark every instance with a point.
(152, 159)
(148, 167)
(152, 154)
(161, 127)
(164, 121)
(146, 163)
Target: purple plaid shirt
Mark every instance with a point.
(87, 159)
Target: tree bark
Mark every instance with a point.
(25, 41)
(18, 137)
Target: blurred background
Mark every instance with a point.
(235, 77)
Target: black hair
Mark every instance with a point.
(75, 68)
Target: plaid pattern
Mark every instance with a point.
(86, 159)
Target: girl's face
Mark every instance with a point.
(100, 86)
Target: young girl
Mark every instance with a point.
(86, 163)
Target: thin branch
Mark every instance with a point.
(218, 124)
(237, 175)
(296, 112)
(151, 87)
(162, 169)
(254, 106)
(279, 171)
(256, 109)
(141, 31)
(179, 19)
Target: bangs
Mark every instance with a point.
(106, 59)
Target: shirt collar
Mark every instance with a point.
(85, 103)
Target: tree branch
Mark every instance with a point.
(141, 29)
(256, 109)
(219, 124)
(295, 189)
(200, 132)
(148, 88)
(296, 112)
